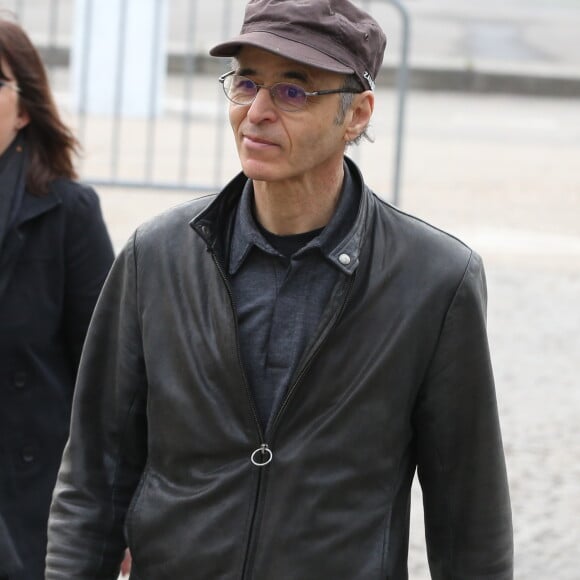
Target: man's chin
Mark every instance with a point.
(260, 171)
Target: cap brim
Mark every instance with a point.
(281, 46)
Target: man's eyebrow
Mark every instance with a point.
(294, 75)
(245, 71)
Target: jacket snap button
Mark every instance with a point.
(28, 455)
(344, 259)
(20, 379)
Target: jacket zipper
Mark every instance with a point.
(254, 536)
(263, 455)
(263, 446)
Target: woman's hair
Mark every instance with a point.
(51, 144)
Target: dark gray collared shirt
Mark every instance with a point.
(280, 301)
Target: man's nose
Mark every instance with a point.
(262, 107)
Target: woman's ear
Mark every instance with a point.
(22, 120)
(360, 114)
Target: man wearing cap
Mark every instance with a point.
(267, 368)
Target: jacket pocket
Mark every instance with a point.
(135, 505)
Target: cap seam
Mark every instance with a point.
(316, 48)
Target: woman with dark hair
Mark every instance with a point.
(55, 253)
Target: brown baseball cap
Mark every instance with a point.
(333, 35)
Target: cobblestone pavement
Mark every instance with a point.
(501, 173)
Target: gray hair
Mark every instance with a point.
(346, 99)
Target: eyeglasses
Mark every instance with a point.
(10, 84)
(286, 96)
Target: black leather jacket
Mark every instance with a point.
(166, 447)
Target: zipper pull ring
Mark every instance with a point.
(265, 453)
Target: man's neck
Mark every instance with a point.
(295, 207)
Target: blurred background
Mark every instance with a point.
(477, 130)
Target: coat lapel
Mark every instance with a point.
(32, 207)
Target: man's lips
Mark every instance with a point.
(255, 141)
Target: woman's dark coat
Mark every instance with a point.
(53, 263)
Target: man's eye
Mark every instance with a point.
(246, 85)
(293, 92)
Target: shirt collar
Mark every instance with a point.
(339, 242)
(246, 233)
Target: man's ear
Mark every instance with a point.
(359, 115)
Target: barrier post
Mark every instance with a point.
(119, 58)
(402, 88)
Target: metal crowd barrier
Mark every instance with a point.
(183, 146)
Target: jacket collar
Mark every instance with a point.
(32, 207)
(247, 233)
(35, 205)
(214, 223)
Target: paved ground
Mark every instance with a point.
(500, 172)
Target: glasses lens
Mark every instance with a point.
(288, 96)
(240, 90)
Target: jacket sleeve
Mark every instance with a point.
(106, 452)
(461, 463)
(88, 258)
